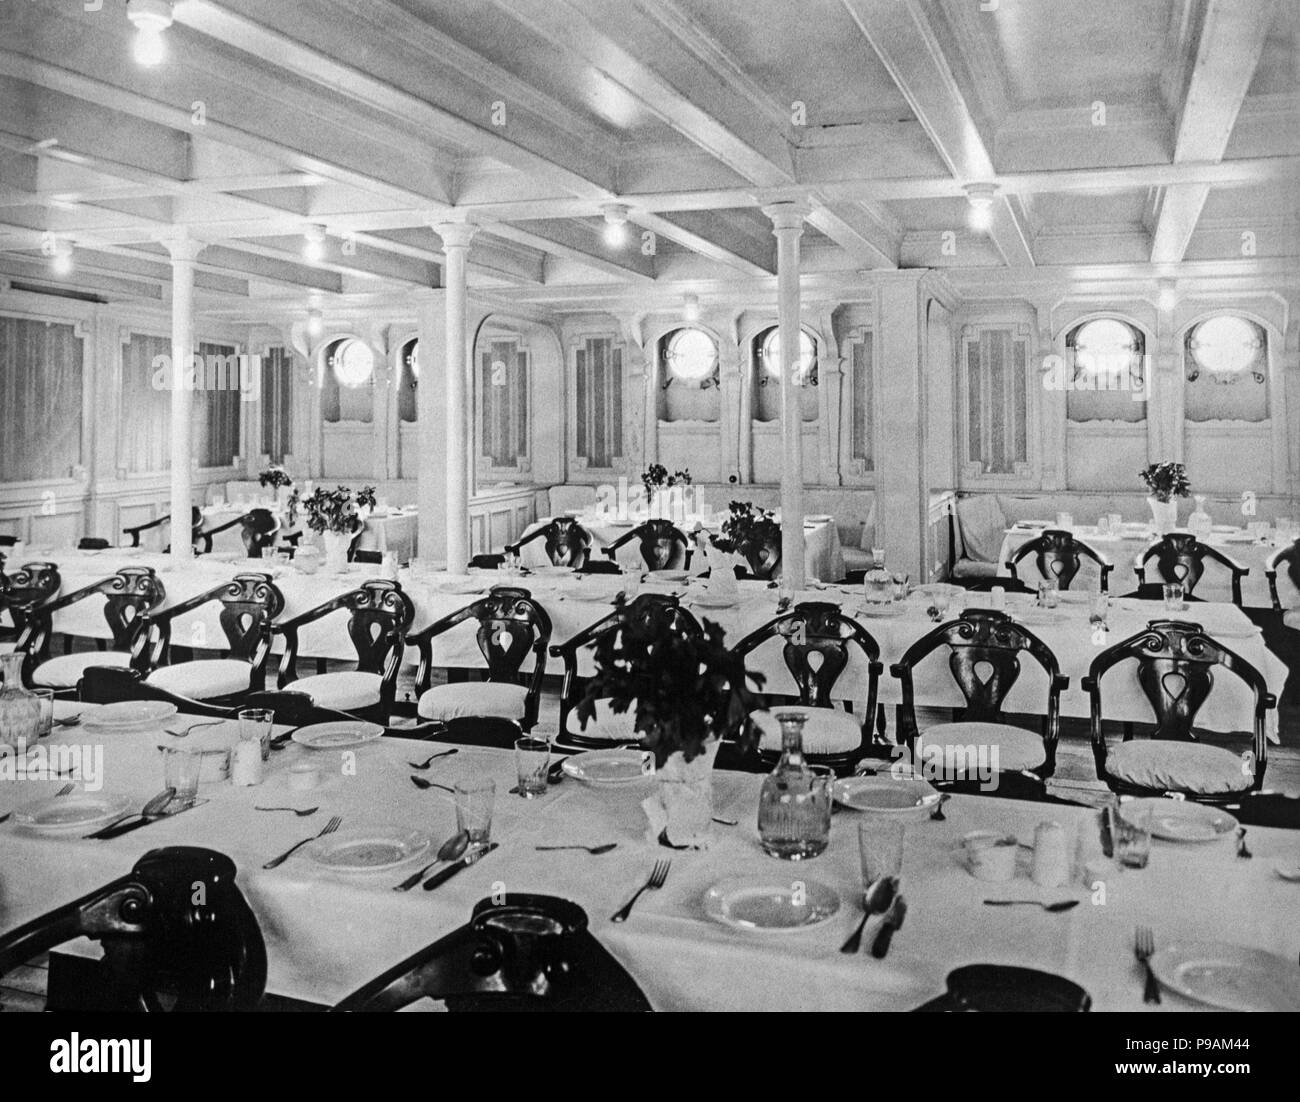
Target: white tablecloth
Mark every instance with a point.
(1124, 550)
(823, 553)
(326, 935)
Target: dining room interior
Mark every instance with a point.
(615, 504)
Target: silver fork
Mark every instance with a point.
(1144, 944)
(329, 828)
(302, 813)
(657, 877)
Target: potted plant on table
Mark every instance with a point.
(753, 532)
(277, 479)
(337, 515)
(664, 491)
(1166, 481)
(689, 693)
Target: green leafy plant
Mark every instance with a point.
(335, 510)
(686, 688)
(1166, 480)
(656, 477)
(747, 529)
(274, 476)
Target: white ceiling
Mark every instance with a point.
(1123, 135)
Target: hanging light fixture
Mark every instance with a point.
(980, 197)
(314, 248)
(61, 259)
(615, 224)
(150, 18)
(691, 308)
(1167, 296)
(315, 323)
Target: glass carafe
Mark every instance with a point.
(1200, 523)
(794, 806)
(20, 710)
(876, 582)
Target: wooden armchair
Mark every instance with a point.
(1289, 557)
(663, 545)
(1181, 557)
(567, 542)
(1058, 556)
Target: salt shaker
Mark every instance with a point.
(246, 765)
(1051, 866)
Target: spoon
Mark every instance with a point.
(1242, 851)
(451, 849)
(876, 900)
(1052, 908)
(433, 757)
(590, 849)
(193, 727)
(303, 813)
(70, 721)
(726, 822)
(937, 814)
(420, 782)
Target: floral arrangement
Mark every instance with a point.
(1166, 480)
(274, 476)
(687, 688)
(335, 510)
(748, 526)
(656, 477)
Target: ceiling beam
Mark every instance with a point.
(576, 241)
(864, 230)
(1231, 42)
(901, 34)
(702, 234)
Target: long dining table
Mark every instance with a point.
(329, 932)
(574, 602)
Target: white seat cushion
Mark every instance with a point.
(826, 731)
(473, 698)
(856, 559)
(204, 679)
(951, 747)
(1163, 765)
(346, 691)
(65, 671)
(969, 568)
(606, 724)
(983, 526)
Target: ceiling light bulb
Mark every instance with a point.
(314, 249)
(615, 225)
(315, 323)
(61, 262)
(150, 18)
(691, 308)
(980, 198)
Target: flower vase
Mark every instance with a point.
(20, 709)
(680, 812)
(1164, 515)
(336, 551)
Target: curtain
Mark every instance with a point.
(41, 368)
(599, 429)
(215, 415)
(145, 414)
(503, 403)
(863, 380)
(997, 409)
(277, 404)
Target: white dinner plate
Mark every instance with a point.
(75, 811)
(590, 595)
(880, 611)
(772, 903)
(706, 601)
(1239, 537)
(1039, 617)
(1224, 529)
(1231, 977)
(901, 799)
(1288, 870)
(128, 715)
(670, 577)
(819, 518)
(617, 523)
(339, 735)
(369, 851)
(551, 571)
(462, 586)
(608, 768)
(1182, 820)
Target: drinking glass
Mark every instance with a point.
(1065, 522)
(532, 759)
(1174, 601)
(45, 722)
(1098, 607)
(1116, 521)
(181, 770)
(880, 849)
(1131, 833)
(1048, 594)
(938, 605)
(255, 726)
(1103, 525)
(900, 585)
(474, 799)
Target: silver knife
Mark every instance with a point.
(443, 875)
(893, 921)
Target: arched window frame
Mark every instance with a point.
(1256, 369)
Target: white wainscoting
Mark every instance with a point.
(1224, 457)
(1100, 455)
(347, 449)
(769, 459)
(498, 517)
(692, 445)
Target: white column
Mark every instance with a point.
(787, 224)
(456, 237)
(184, 252)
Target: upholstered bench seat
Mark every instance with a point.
(465, 699)
(825, 731)
(345, 691)
(65, 671)
(203, 679)
(1163, 765)
(997, 746)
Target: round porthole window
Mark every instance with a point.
(353, 363)
(691, 355)
(771, 353)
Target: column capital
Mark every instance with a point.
(787, 215)
(182, 247)
(455, 235)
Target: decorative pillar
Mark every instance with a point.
(787, 224)
(184, 252)
(431, 448)
(456, 237)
